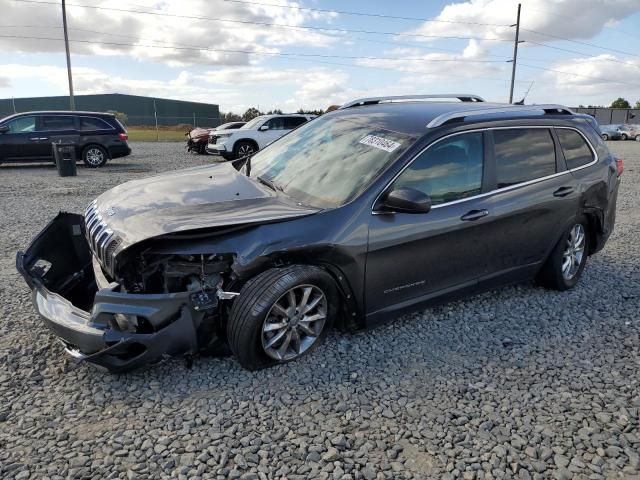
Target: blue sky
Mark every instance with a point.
(596, 59)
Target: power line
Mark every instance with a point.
(622, 62)
(363, 14)
(252, 52)
(369, 40)
(282, 56)
(266, 24)
(580, 75)
(580, 42)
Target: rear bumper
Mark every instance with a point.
(117, 151)
(80, 306)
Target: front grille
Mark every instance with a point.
(102, 241)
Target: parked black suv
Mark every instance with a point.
(368, 212)
(28, 136)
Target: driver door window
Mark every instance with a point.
(22, 125)
(447, 171)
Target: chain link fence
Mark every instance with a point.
(608, 116)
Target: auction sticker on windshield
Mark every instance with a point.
(380, 143)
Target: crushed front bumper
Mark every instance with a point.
(87, 313)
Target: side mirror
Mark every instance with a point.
(264, 128)
(4, 129)
(407, 200)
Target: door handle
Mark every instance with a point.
(34, 139)
(43, 138)
(563, 192)
(474, 215)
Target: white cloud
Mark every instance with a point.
(602, 74)
(199, 41)
(568, 18)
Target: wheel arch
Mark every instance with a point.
(350, 317)
(249, 140)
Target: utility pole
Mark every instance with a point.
(72, 102)
(515, 54)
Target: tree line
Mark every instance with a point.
(617, 103)
(253, 112)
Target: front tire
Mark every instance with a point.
(281, 315)
(94, 156)
(564, 266)
(624, 136)
(637, 138)
(244, 149)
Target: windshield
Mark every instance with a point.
(252, 123)
(327, 162)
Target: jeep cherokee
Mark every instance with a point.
(379, 208)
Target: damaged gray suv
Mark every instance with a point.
(380, 208)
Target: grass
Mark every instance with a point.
(150, 135)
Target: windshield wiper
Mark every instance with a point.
(268, 182)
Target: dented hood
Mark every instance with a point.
(191, 199)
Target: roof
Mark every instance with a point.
(56, 112)
(413, 117)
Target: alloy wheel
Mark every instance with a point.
(294, 322)
(245, 150)
(573, 253)
(95, 156)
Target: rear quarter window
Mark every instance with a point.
(94, 123)
(576, 151)
(523, 154)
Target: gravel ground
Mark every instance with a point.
(515, 383)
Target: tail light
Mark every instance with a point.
(619, 166)
(123, 136)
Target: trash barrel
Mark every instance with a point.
(65, 157)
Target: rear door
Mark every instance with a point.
(534, 198)
(21, 141)
(55, 129)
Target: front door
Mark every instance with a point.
(21, 141)
(413, 257)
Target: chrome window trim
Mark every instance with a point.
(497, 190)
(593, 150)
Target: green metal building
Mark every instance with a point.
(139, 110)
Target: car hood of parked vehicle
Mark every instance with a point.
(192, 199)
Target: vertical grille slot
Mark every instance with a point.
(101, 239)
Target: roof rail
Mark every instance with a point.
(545, 109)
(463, 97)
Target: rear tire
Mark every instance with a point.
(94, 156)
(624, 137)
(567, 260)
(605, 136)
(637, 138)
(272, 322)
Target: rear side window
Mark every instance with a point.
(575, 148)
(94, 123)
(276, 123)
(523, 154)
(293, 122)
(58, 122)
(449, 170)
